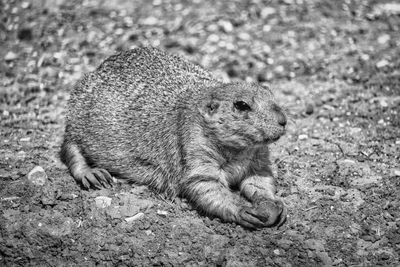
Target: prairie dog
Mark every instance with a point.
(159, 120)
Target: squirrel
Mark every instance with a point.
(156, 119)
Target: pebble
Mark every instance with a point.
(213, 38)
(102, 202)
(10, 56)
(390, 8)
(382, 63)
(354, 130)
(226, 25)
(396, 172)
(303, 137)
(279, 69)
(244, 36)
(267, 11)
(365, 57)
(135, 217)
(267, 49)
(383, 39)
(25, 4)
(148, 232)
(383, 103)
(150, 21)
(37, 176)
(25, 139)
(349, 161)
(162, 213)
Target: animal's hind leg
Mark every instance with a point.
(72, 157)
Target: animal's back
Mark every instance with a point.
(124, 113)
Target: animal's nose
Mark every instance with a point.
(280, 116)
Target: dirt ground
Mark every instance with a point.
(334, 65)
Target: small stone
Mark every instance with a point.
(303, 137)
(135, 217)
(163, 213)
(383, 103)
(267, 28)
(213, 38)
(10, 56)
(396, 172)
(279, 69)
(37, 176)
(365, 57)
(226, 25)
(25, 139)
(267, 49)
(389, 8)
(102, 202)
(25, 4)
(309, 109)
(349, 161)
(354, 130)
(383, 39)
(244, 36)
(119, 31)
(150, 21)
(267, 11)
(277, 252)
(382, 63)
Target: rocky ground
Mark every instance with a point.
(335, 65)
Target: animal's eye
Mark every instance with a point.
(242, 106)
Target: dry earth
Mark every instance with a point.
(335, 65)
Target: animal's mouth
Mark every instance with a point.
(275, 137)
(271, 140)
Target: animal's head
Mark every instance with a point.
(242, 115)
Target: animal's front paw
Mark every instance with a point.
(263, 213)
(95, 177)
(274, 210)
(250, 217)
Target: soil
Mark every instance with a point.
(334, 65)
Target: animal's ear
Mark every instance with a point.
(209, 107)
